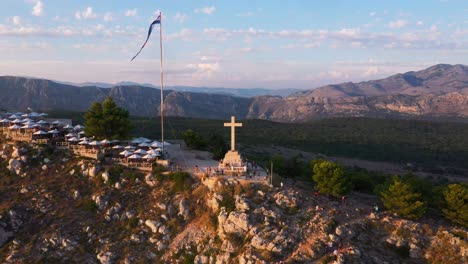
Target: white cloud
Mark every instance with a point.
(433, 28)
(16, 20)
(419, 23)
(38, 8)
(86, 14)
(397, 23)
(131, 12)
(206, 10)
(184, 34)
(372, 14)
(108, 17)
(179, 17)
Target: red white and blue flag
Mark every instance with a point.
(157, 21)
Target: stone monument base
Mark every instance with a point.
(232, 163)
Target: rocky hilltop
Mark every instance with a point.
(58, 208)
(441, 90)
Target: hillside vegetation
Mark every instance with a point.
(426, 143)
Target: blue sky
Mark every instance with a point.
(242, 44)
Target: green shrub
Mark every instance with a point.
(182, 181)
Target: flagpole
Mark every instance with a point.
(162, 86)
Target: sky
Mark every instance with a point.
(233, 44)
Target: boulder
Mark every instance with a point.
(200, 259)
(236, 222)
(259, 243)
(153, 225)
(15, 153)
(93, 170)
(76, 194)
(100, 201)
(14, 166)
(105, 176)
(285, 199)
(241, 203)
(213, 201)
(105, 257)
(150, 180)
(183, 209)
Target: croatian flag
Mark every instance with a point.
(157, 21)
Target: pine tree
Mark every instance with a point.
(400, 198)
(330, 178)
(107, 121)
(456, 203)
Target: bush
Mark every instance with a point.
(182, 181)
(402, 200)
(456, 203)
(330, 178)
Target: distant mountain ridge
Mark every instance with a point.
(439, 91)
(241, 92)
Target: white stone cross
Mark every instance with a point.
(233, 126)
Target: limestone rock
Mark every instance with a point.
(241, 203)
(100, 201)
(213, 201)
(150, 180)
(183, 209)
(44, 167)
(153, 225)
(93, 170)
(236, 222)
(201, 259)
(105, 257)
(14, 165)
(105, 176)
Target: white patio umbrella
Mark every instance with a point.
(84, 138)
(34, 114)
(153, 152)
(95, 143)
(42, 122)
(5, 120)
(81, 133)
(144, 144)
(167, 143)
(17, 121)
(57, 122)
(156, 144)
(140, 151)
(117, 147)
(126, 153)
(143, 139)
(25, 115)
(79, 127)
(28, 126)
(43, 114)
(67, 127)
(40, 132)
(72, 139)
(149, 156)
(70, 135)
(84, 142)
(134, 156)
(14, 116)
(129, 147)
(136, 141)
(26, 120)
(14, 127)
(105, 141)
(55, 131)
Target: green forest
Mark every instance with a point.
(425, 143)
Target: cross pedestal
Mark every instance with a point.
(232, 162)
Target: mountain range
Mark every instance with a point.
(438, 91)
